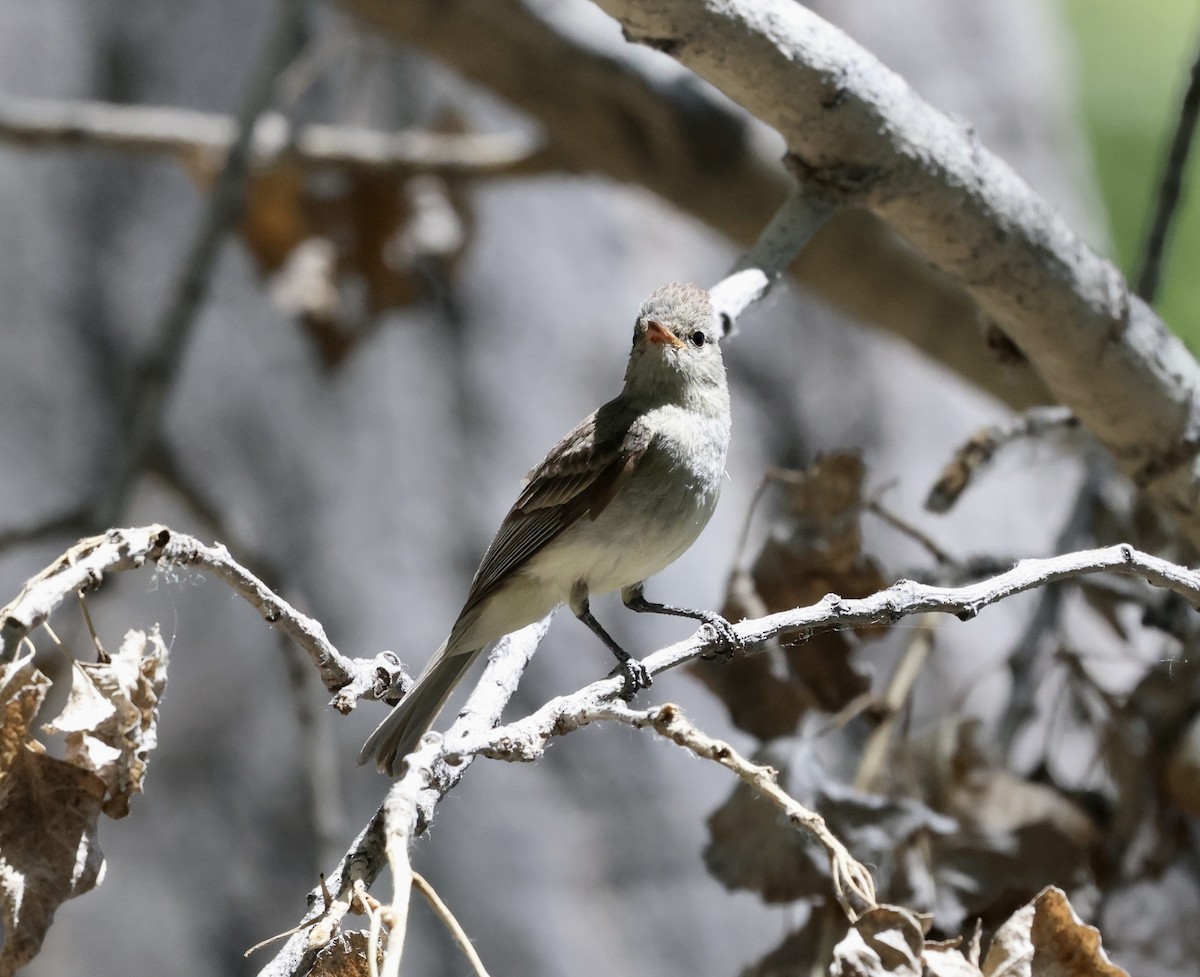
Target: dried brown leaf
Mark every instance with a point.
(376, 233)
(760, 700)
(942, 961)
(22, 690)
(752, 846)
(347, 956)
(815, 548)
(111, 716)
(1014, 836)
(48, 815)
(1064, 945)
(1046, 939)
(959, 777)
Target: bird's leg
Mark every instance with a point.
(636, 675)
(635, 600)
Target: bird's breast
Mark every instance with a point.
(655, 515)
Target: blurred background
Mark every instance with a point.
(381, 354)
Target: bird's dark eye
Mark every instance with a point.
(698, 339)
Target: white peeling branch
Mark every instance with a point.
(856, 130)
(527, 738)
(84, 566)
(47, 124)
(408, 809)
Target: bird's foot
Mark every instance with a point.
(636, 675)
(726, 638)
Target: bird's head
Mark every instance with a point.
(676, 343)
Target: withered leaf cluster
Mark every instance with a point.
(50, 807)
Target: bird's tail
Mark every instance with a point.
(404, 726)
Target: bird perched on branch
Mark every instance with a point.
(614, 502)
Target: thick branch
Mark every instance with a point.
(610, 112)
(856, 129)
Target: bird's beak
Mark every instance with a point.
(656, 332)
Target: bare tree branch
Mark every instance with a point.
(46, 124)
(629, 117)
(84, 566)
(526, 739)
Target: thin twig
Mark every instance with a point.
(877, 508)
(852, 883)
(904, 677)
(1169, 189)
(450, 922)
(1029, 649)
(973, 456)
(400, 821)
(439, 762)
(152, 378)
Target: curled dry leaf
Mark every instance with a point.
(814, 548)
(889, 941)
(48, 815)
(944, 961)
(886, 940)
(111, 716)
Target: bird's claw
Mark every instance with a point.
(636, 676)
(728, 641)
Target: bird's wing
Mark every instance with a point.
(578, 478)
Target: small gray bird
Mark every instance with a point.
(615, 501)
